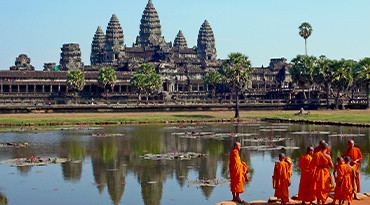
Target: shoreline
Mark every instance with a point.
(364, 200)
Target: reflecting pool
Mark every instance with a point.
(107, 167)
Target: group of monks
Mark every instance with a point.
(316, 181)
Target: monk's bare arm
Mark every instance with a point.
(331, 165)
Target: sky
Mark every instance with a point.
(260, 29)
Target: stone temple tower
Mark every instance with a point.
(97, 47)
(206, 47)
(180, 40)
(150, 28)
(114, 45)
(70, 58)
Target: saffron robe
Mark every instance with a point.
(355, 154)
(345, 183)
(238, 170)
(322, 182)
(280, 181)
(289, 162)
(304, 191)
(318, 149)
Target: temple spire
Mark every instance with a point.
(150, 28)
(180, 40)
(206, 47)
(114, 46)
(97, 47)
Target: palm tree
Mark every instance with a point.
(235, 74)
(342, 77)
(365, 77)
(213, 78)
(106, 79)
(305, 31)
(146, 80)
(323, 75)
(76, 80)
(302, 71)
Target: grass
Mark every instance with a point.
(355, 116)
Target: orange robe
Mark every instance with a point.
(304, 192)
(355, 154)
(322, 182)
(318, 149)
(238, 170)
(281, 180)
(345, 183)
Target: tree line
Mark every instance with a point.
(338, 75)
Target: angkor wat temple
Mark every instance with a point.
(182, 68)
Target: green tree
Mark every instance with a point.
(146, 80)
(323, 74)
(305, 31)
(364, 77)
(107, 78)
(235, 74)
(213, 78)
(302, 71)
(76, 80)
(342, 77)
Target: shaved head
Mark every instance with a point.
(351, 143)
(347, 159)
(281, 156)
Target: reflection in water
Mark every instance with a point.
(117, 159)
(72, 171)
(3, 199)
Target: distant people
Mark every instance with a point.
(322, 182)
(345, 182)
(319, 147)
(337, 167)
(281, 179)
(356, 157)
(238, 173)
(304, 191)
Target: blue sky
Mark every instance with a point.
(261, 29)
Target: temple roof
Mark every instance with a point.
(114, 35)
(150, 27)
(206, 42)
(97, 46)
(180, 40)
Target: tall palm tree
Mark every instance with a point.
(107, 78)
(305, 31)
(235, 72)
(76, 80)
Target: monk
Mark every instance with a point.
(337, 167)
(238, 173)
(281, 179)
(356, 157)
(345, 181)
(319, 147)
(322, 182)
(304, 192)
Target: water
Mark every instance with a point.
(111, 171)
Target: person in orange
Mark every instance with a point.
(304, 192)
(337, 168)
(322, 182)
(280, 179)
(319, 148)
(345, 181)
(289, 162)
(238, 173)
(356, 157)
